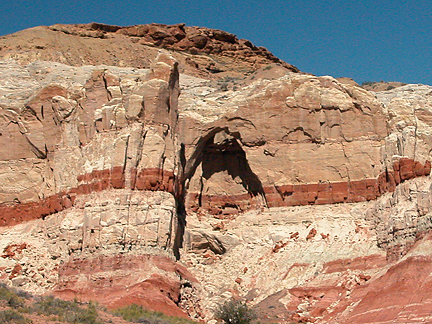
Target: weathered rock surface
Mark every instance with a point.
(200, 51)
(209, 169)
(381, 85)
(96, 150)
(323, 140)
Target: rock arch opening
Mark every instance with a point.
(216, 180)
(223, 183)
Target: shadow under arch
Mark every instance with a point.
(217, 151)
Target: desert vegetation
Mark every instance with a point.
(137, 314)
(235, 312)
(18, 307)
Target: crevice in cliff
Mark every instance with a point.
(109, 94)
(174, 88)
(293, 134)
(133, 168)
(180, 197)
(415, 134)
(33, 112)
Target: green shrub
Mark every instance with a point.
(67, 311)
(138, 314)
(11, 297)
(235, 312)
(368, 83)
(12, 316)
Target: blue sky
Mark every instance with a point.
(364, 40)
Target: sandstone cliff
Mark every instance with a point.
(200, 51)
(176, 167)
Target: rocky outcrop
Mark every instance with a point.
(96, 126)
(98, 151)
(201, 51)
(287, 247)
(381, 86)
(304, 195)
(295, 140)
(118, 281)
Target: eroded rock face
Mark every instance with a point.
(295, 140)
(88, 134)
(94, 166)
(112, 247)
(306, 196)
(289, 262)
(201, 51)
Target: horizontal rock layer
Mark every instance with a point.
(154, 282)
(219, 206)
(98, 180)
(310, 194)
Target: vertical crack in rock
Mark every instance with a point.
(415, 133)
(125, 162)
(174, 92)
(126, 228)
(109, 94)
(347, 170)
(186, 169)
(399, 146)
(180, 196)
(200, 193)
(161, 168)
(133, 168)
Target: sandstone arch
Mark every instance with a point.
(218, 178)
(217, 155)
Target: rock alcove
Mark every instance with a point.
(222, 182)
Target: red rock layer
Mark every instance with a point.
(194, 40)
(401, 295)
(98, 180)
(360, 263)
(220, 206)
(361, 290)
(312, 194)
(152, 179)
(116, 281)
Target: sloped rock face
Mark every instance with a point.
(200, 51)
(303, 195)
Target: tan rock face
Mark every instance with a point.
(201, 51)
(95, 163)
(303, 195)
(294, 140)
(98, 123)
